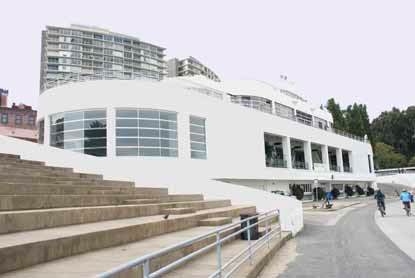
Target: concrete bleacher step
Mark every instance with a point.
(28, 188)
(177, 211)
(30, 201)
(17, 221)
(19, 166)
(168, 198)
(91, 264)
(24, 249)
(215, 221)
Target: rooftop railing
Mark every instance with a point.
(269, 220)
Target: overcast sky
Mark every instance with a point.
(355, 51)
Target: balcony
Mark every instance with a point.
(300, 165)
(347, 169)
(276, 163)
(335, 168)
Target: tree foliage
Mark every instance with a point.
(392, 133)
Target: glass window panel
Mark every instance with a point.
(95, 124)
(56, 128)
(197, 129)
(79, 134)
(127, 123)
(198, 155)
(197, 138)
(96, 152)
(127, 113)
(149, 114)
(127, 142)
(74, 144)
(94, 143)
(56, 119)
(127, 151)
(95, 114)
(197, 121)
(168, 116)
(149, 133)
(168, 143)
(127, 132)
(149, 123)
(56, 138)
(74, 125)
(74, 116)
(149, 152)
(94, 133)
(149, 142)
(168, 134)
(168, 125)
(198, 146)
(169, 152)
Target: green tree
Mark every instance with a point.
(386, 157)
(411, 162)
(337, 114)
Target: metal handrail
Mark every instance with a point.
(266, 217)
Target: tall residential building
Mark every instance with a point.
(79, 53)
(18, 121)
(189, 67)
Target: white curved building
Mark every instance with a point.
(223, 139)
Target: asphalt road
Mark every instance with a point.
(355, 247)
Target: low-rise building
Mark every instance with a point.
(17, 121)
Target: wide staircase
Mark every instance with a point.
(55, 222)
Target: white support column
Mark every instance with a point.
(46, 133)
(286, 148)
(350, 154)
(325, 156)
(339, 158)
(111, 132)
(308, 157)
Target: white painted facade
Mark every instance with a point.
(234, 140)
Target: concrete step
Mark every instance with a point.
(27, 188)
(5, 161)
(177, 211)
(93, 263)
(41, 177)
(26, 202)
(49, 173)
(17, 221)
(9, 156)
(216, 221)
(24, 249)
(54, 169)
(66, 181)
(169, 198)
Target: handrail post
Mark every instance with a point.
(249, 241)
(146, 269)
(218, 254)
(266, 229)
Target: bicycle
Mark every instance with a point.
(381, 210)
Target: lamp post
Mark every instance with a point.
(316, 186)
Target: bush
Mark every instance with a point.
(335, 193)
(360, 190)
(297, 191)
(348, 190)
(370, 191)
(321, 194)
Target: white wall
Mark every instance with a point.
(157, 173)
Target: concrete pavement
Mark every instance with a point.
(342, 244)
(399, 227)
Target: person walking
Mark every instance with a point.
(380, 198)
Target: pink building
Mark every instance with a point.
(17, 121)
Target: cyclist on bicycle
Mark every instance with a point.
(406, 198)
(380, 198)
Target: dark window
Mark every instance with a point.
(31, 120)
(18, 119)
(370, 163)
(4, 118)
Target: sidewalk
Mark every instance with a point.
(337, 204)
(399, 227)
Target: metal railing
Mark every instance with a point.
(222, 235)
(300, 165)
(276, 163)
(73, 78)
(394, 171)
